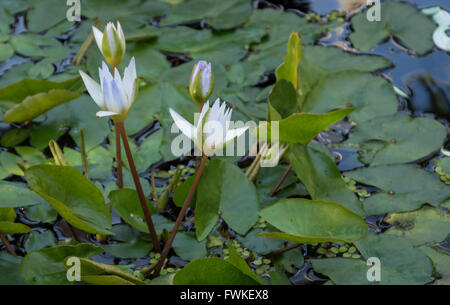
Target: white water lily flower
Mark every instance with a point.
(212, 131)
(114, 95)
(202, 82)
(112, 45)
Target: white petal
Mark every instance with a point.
(235, 133)
(110, 29)
(98, 35)
(121, 35)
(94, 89)
(129, 78)
(186, 128)
(105, 113)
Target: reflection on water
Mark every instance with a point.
(430, 96)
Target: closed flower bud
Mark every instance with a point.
(111, 43)
(202, 82)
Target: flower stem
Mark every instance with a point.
(7, 244)
(84, 159)
(120, 126)
(285, 174)
(118, 159)
(180, 217)
(281, 251)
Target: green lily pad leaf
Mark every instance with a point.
(187, 247)
(46, 266)
(33, 45)
(14, 136)
(45, 14)
(303, 127)
(99, 161)
(8, 162)
(102, 274)
(181, 192)
(73, 196)
(278, 277)
(145, 33)
(400, 194)
(148, 152)
(311, 221)
(35, 105)
(239, 262)
(17, 195)
(398, 138)
(37, 240)
(152, 63)
(268, 178)
(7, 225)
(31, 155)
(441, 262)
(42, 212)
(424, 226)
(405, 22)
(132, 243)
(127, 205)
(259, 244)
(9, 270)
(20, 90)
(279, 25)
(225, 48)
(319, 61)
(6, 51)
(211, 271)
(74, 115)
(371, 96)
(145, 108)
(290, 259)
(225, 188)
(223, 15)
(401, 263)
(318, 172)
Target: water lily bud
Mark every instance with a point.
(111, 43)
(202, 82)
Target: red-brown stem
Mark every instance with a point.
(121, 127)
(285, 174)
(118, 159)
(180, 217)
(7, 244)
(281, 251)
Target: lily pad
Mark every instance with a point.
(46, 266)
(397, 138)
(187, 247)
(9, 270)
(102, 274)
(76, 198)
(311, 221)
(424, 226)
(211, 271)
(220, 15)
(400, 194)
(370, 95)
(127, 205)
(401, 263)
(225, 188)
(132, 243)
(404, 22)
(318, 172)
